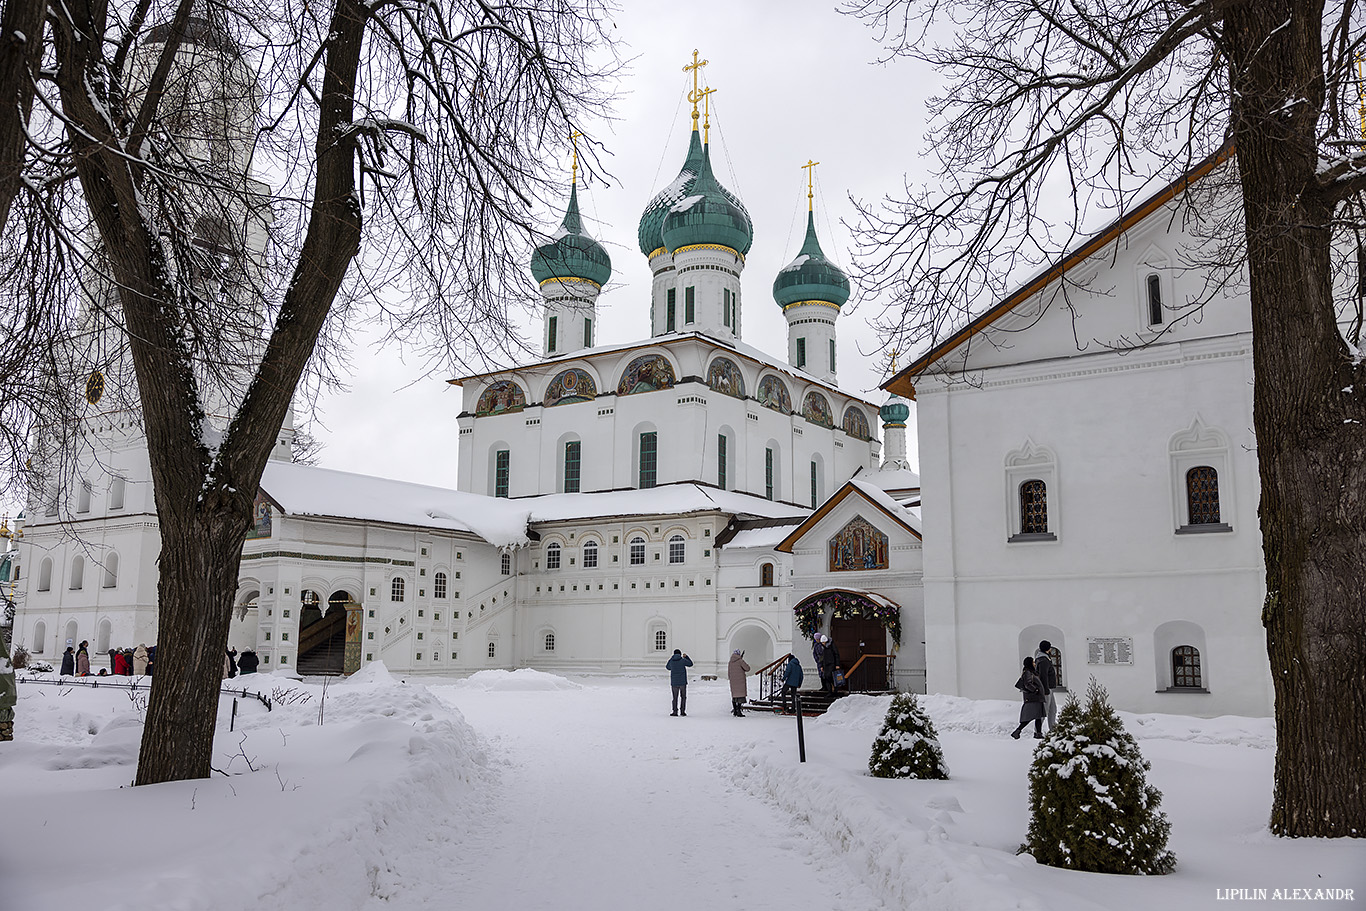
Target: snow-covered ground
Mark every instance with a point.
(528, 791)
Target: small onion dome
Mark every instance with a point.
(810, 277)
(895, 412)
(652, 219)
(572, 254)
(708, 214)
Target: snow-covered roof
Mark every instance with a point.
(893, 478)
(306, 490)
(869, 491)
(765, 538)
(883, 499)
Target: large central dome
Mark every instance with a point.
(717, 217)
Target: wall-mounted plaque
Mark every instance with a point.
(1114, 650)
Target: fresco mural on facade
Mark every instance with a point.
(569, 387)
(261, 517)
(646, 374)
(857, 546)
(502, 397)
(817, 410)
(724, 377)
(773, 394)
(856, 423)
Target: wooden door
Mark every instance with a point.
(855, 637)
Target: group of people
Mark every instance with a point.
(827, 661)
(234, 664)
(1038, 680)
(126, 662)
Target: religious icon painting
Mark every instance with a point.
(569, 387)
(856, 423)
(817, 410)
(773, 394)
(724, 377)
(858, 546)
(646, 373)
(502, 397)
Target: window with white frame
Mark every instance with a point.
(396, 588)
(493, 649)
(637, 551)
(1186, 667)
(506, 564)
(77, 573)
(1031, 507)
(111, 570)
(590, 554)
(550, 642)
(116, 493)
(439, 585)
(1201, 480)
(661, 640)
(677, 549)
(552, 555)
(45, 575)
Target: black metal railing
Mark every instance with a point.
(143, 683)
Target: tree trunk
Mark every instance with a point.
(196, 589)
(1308, 415)
(19, 61)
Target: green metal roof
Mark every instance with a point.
(708, 214)
(572, 254)
(811, 277)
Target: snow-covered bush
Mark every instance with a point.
(907, 746)
(1090, 805)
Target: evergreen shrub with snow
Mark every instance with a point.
(1090, 805)
(907, 746)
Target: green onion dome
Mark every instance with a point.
(895, 411)
(652, 219)
(708, 214)
(811, 277)
(572, 254)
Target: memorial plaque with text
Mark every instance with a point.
(1113, 650)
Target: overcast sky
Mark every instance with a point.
(794, 80)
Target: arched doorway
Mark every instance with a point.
(243, 627)
(865, 629)
(322, 633)
(755, 642)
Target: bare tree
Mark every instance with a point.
(209, 190)
(1092, 101)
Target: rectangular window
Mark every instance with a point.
(501, 462)
(813, 485)
(553, 332)
(801, 353)
(649, 443)
(832, 355)
(721, 461)
(670, 310)
(734, 313)
(1154, 284)
(768, 473)
(507, 564)
(587, 333)
(725, 306)
(571, 465)
(689, 305)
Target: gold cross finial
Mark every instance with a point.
(810, 168)
(694, 96)
(1361, 97)
(894, 354)
(574, 170)
(706, 115)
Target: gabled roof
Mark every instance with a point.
(903, 383)
(854, 487)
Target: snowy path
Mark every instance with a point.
(606, 802)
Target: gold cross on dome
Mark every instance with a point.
(694, 96)
(573, 141)
(810, 168)
(706, 114)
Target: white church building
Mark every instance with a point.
(609, 503)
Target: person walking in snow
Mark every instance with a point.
(739, 690)
(1048, 676)
(829, 660)
(678, 678)
(1031, 689)
(792, 681)
(68, 662)
(83, 659)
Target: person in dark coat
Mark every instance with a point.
(230, 663)
(248, 662)
(1031, 689)
(739, 690)
(829, 660)
(792, 681)
(68, 662)
(113, 662)
(678, 678)
(818, 655)
(1048, 676)
(83, 659)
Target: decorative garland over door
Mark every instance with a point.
(841, 605)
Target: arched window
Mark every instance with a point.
(550, 642)
(766, 574)
(552, 555)
(661, 640)
(676, 549)
(396, 589)
(649, 460)
(573, 461)
(111, 570)
(39, 637)
(507, 564)
(1033, 507)
(590, 554)
(83, 498)
(1202, 495)
(102, 635)
(1154, 288)
(45, 575)
(116, 493)
(637, 551)
(439, 585)
(1186, 667)
(77, 573)
(493, 649)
